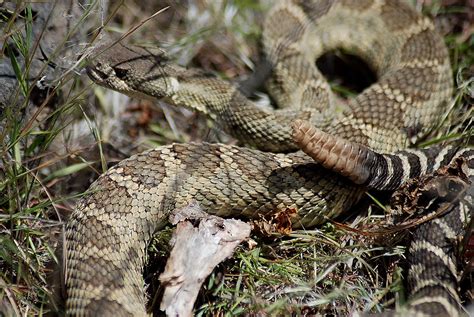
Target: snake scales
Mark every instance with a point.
(109, 229)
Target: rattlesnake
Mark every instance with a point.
(108, 231)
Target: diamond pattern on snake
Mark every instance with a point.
(355, 146)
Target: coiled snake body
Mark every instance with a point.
(110, 227)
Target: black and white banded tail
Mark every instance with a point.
(371, 169)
